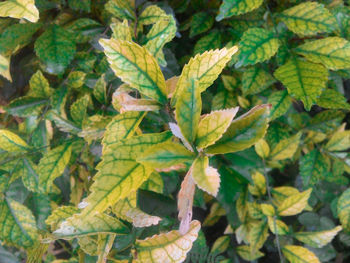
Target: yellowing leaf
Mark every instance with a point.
(188, 110)
(343, 208)
(297, 254)
(78, 109)
(5, 67)
(243, 132)
(52, 166)
(304, 80)
(105, 244)
(236, 7)
(76, 79)
(280, 103)
(314, 166)
(213, 126)
(309, 18)
(59, 215)
(286, 148)
(267, 209)
(216, 212)
(254, 210)
(258, 235)
(332, 52)
(121, 30)
(280, 228)
(154, 183)
(169, 247)
(12, 142)
(339, 141)
(141, 219)
(220, 245)
(125, 102)
(318, 239)
(135, 66)
(20, 9)
(206, 177)
(294, 204)
(262, 148)
(39, 86)
(259, 184)
(120, 9)
(166, 155)
(332, 99)
(151, 15)
(282, 192)
(205, 68)
(256, 45)
(246, 253)
(255, 80)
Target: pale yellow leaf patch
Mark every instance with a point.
(318, 239)
(20, 9)
(294, 204)
(298, 254)
(11, 142)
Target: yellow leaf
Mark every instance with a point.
(171, 85)
(318, 239)
(220, 245)
(59, 215)
(206, 177)
(105, 243)
(297, 254)
(343, 209)
(124, 205)
(282, 192)
(151, 15)
(258, 234)
(213, 126)
(169, 247)
(339, 141)
(216, 212)
(267, 209)
(135, 66)
(11, 142)
(294, 204)
(286, 148)
(121, 30)
(39, 86)
(241, 206)
(259, 184)
(254, 210)
(281, 227)
(20, 9)
(205, 68)
(246, 253)
(262, 148)
(5, 67)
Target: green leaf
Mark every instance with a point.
(56, 49)
(18, 226)
(297, 254)
(256, 45)
(63, 124)
(223, 99)
(343, 209)
(166, 155)
(304, 80)
(236, 7)
(332, 52)
(294, 204)
(200, 23)
(5, 67)
(280, 103)
(78, 109)
(318, 239)
(206, 177)
(80, 5)
(84, 29)
(39, 86)
(309, 18)
(188, 110)
(255, 80)
(213, 126)
(286, 148)
(243, 132)
(314, 166)
(11, 142)
(212, 40)
(332, 99)
(326, 121)
(52, 166)
(205, 68)
(20, 9)
(121, 9)
(26, 106)
(136, 67)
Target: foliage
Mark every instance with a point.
(174, 131)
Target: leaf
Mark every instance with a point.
(105, 244)
(151, 15)
(63, 124)
(206, 177)
(223, 99)
(135, 66)
(39, 86)
(332, 52)
(59, 215)
(18, 224)
(20, 9)
(121, 30)
(314, 166)
(220, 245)
(205, 68)
(154, 183)
(188, 110)
(340, 141)
(200, 23)
(55, 48)
(294, 204)
(243, 132)
(26, 106)
(118, 172)
(11, 142)
(5, 67)
(75, 79)
(246, 253)
(52, 166)
(100, 90)
(254, 80)
(286, 148)
(304, 80)
(167, 247)
(280, 102)
(343, 209)
(258, 235)
(98, 224)
(297, 254)
(258, 188)
(166, 155)
(262, 148)
(141, 219)
(120, 9)
(213, 126)
(309, 18)
(121, 127)
(29, 174)
(236, 7)
(256, 45)
(212, 40)
(332, 99)
(318, 239)
(80, 5)
(281, 228)
(78, 109)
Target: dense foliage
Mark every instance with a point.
(174, 131)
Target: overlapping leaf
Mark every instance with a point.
(20, 9)
(236, 7)
(298, 254)
(11, 142)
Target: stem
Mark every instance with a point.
(274, 217)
